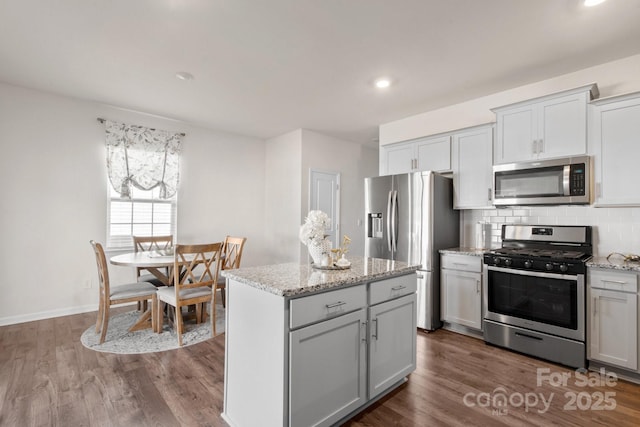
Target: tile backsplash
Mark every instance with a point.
(614, 229)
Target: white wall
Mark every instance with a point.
(288, 160)
(354, 162)
(221, 191)
(54, 198)
(283, 195)
(613, 78)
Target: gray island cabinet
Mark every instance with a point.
(308, 347)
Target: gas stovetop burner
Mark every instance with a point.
(541, 253)
(558, 248)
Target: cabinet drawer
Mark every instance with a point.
(613, 280)
(385, 290)
(326, 305)
(462, 262)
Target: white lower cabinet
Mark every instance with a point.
(392, 343)
(461, 290)
(328, 370)
(337, 365)
(613, 317)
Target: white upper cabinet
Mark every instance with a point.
(397, 158)
(614, 137)
(471, 162)
(424, 154)
(434, 154)
(545, 127)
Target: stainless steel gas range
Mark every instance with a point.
(534, 299)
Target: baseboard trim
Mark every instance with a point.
(12, 320)
(461, 329)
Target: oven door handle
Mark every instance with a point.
(532, 273)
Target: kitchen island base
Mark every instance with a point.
(316, 358)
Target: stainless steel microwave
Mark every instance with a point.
(564, 181)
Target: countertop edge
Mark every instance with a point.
(614, 264)
(320, 287)
(464, 251)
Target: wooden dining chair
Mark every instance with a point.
(195, 270)
(140, 292)
(231, 257)
(150, 243)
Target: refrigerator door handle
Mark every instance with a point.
(389, 202)
(394, 221)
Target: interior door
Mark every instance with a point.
(324, 195)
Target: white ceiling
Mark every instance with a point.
(266, 67)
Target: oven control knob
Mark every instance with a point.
(564, 267)
(548, 266)
(528, 263)
(496, 261)
(507, 262)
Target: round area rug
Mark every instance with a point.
(120, 340)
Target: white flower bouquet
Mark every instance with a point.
(314, 228)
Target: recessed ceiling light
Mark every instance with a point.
(183, 75)
(383, 83)
(590, 3)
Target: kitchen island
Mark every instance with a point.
(314, 347)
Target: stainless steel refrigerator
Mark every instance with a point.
(410, 217)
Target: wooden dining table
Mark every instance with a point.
(155, 262)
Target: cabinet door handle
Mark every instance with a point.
(595, 308)
(335, 304)
(534, 147)
(398, 288)
(477, 286)
(374, 334)
(489, 194)
(363, 336)
(462, 264)
(617, 282)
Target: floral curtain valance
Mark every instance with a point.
(142, 157)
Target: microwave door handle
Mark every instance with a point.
(566, 178)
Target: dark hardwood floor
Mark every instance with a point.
(47, 378)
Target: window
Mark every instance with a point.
(145, 214)
(143, 169)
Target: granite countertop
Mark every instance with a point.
(294, 279)
(465, 251)
(615, 262)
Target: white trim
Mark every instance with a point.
(50, 314)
